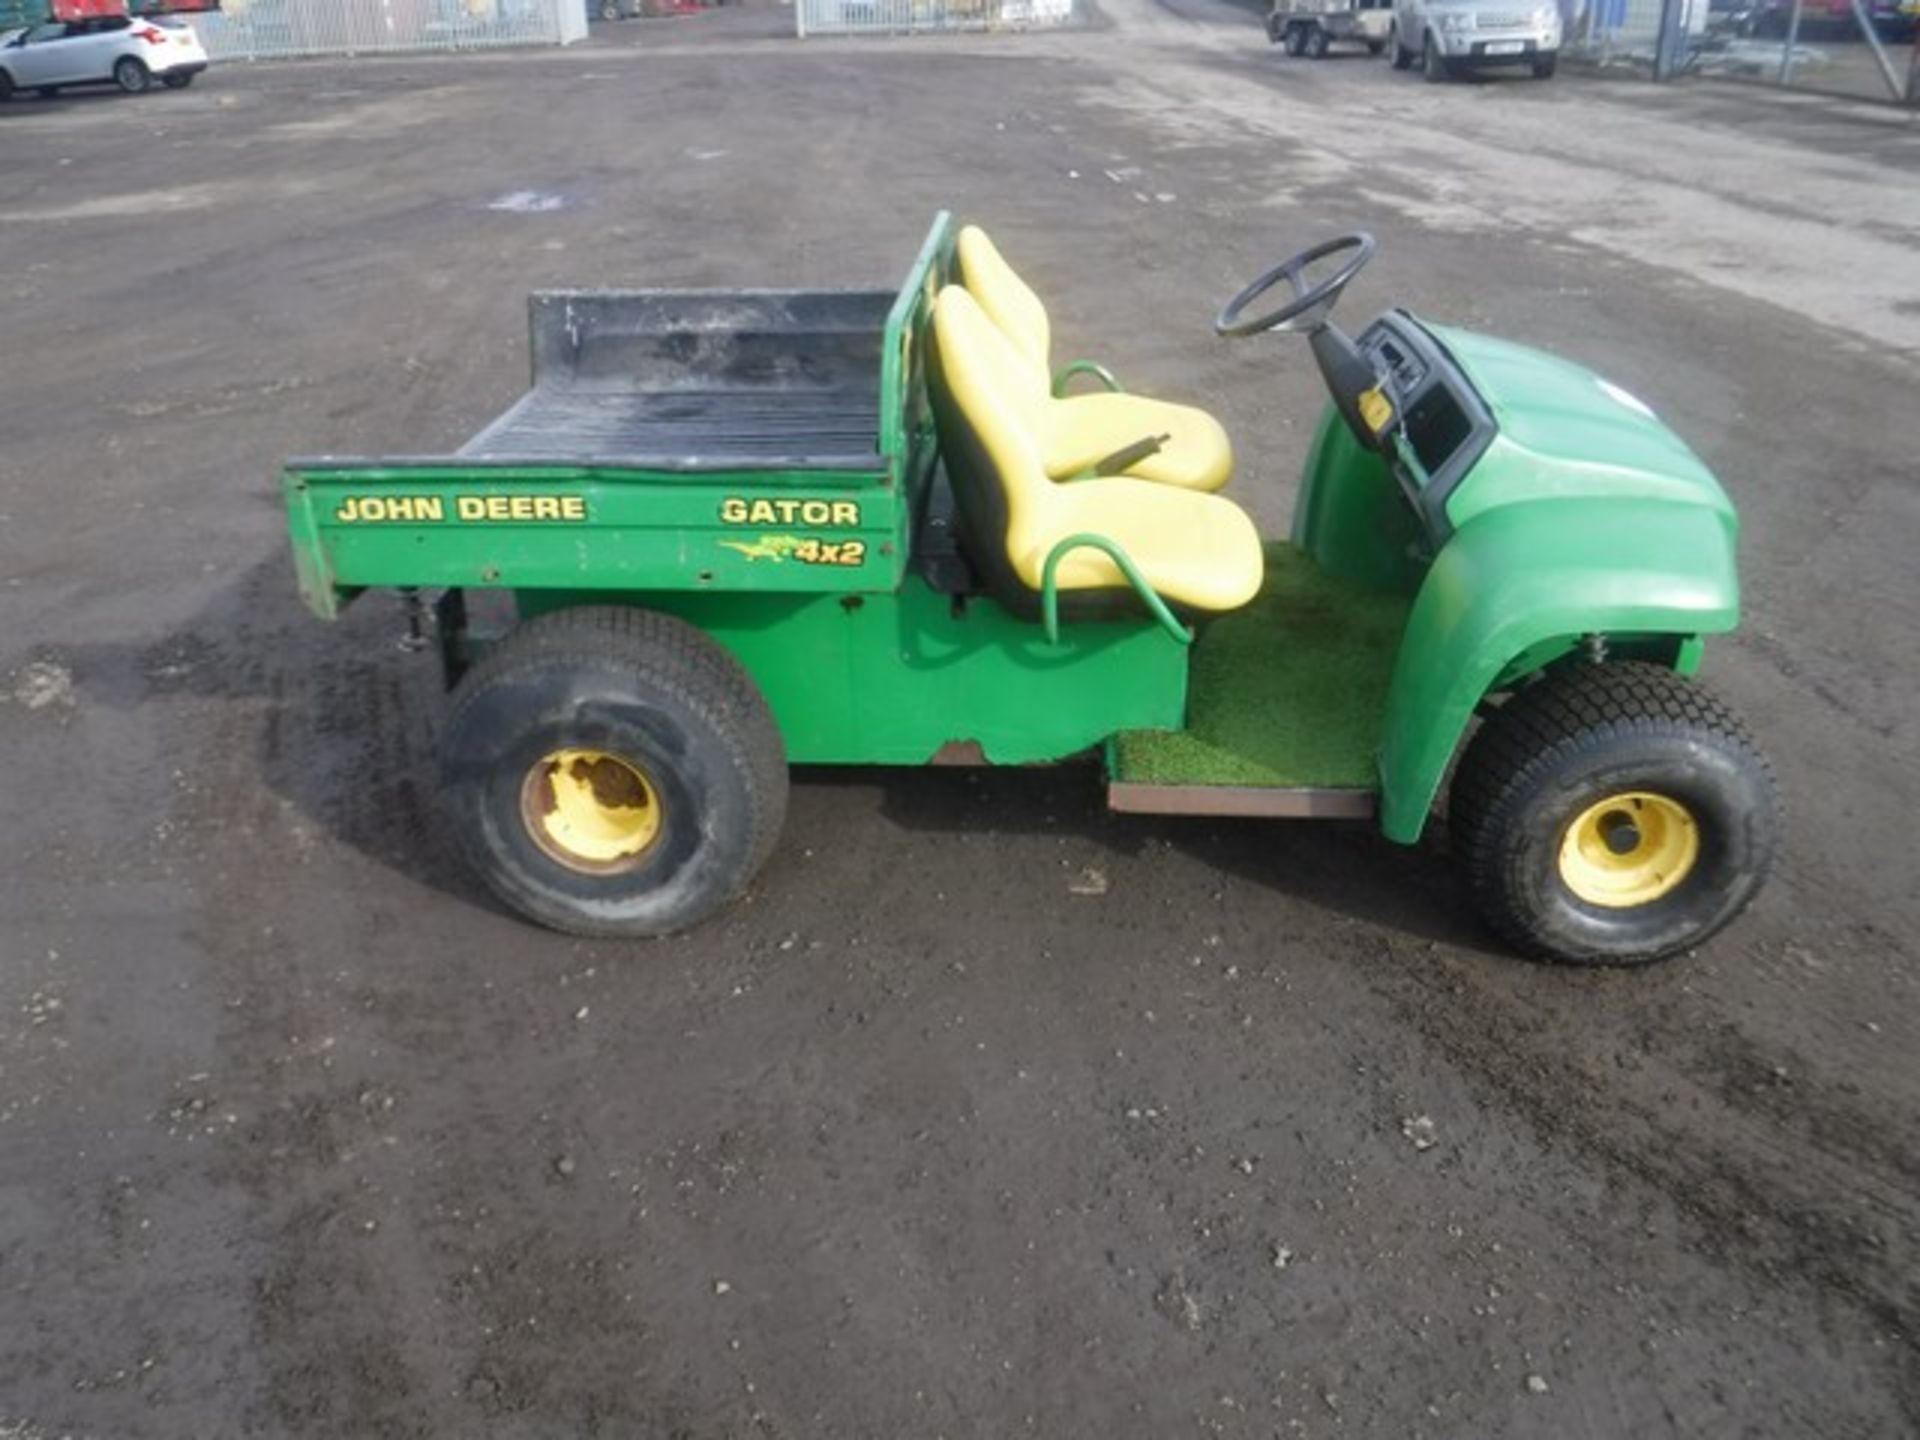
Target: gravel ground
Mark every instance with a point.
(931, 1135)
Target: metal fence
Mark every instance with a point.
(283, 29)
(900, 17)
(1856, 48)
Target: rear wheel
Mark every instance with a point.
(612, 772)
(1374, 47)
(6, 86)
(177, 82)
(1433, 64)
(1613, 815)
(1316, 43)
(610, 9)
(1402, 57)
(1296, 40)
(130, 75)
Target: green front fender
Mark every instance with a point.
(1515, 580)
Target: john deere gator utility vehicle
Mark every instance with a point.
(748, 529)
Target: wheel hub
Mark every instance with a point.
(590, 810)
(1629, 849)
(1620, 833)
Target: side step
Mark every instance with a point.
(1135, 797)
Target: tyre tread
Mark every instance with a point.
(1574, 710)
(680, 658)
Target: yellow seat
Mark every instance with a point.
(1075, 432)
(1079, 432)
(1196, 550)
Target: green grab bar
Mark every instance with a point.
(1094, 368)
(1085, 540)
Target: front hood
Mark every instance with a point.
(1566, 433)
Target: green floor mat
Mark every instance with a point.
(1289, 692)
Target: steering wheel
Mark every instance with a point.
(1307, 310)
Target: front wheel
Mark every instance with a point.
(1433, 64)
(1316, 43)
(1296, 40)
(1613, 814)
(6, 86)
(130, 75)
(1374, 47)
(1543, 69)
(177, 82)
(1402, 57)
(611, 771)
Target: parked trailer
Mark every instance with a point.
(1312, 27)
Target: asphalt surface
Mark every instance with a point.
(301, 1136)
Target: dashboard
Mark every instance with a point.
(1443, 426)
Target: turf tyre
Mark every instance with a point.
(663, 698)
(1562, 745)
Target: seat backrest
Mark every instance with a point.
(981, 403)
(1007, 299)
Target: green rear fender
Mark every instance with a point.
(1514, 581)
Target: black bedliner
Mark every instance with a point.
(682, 380)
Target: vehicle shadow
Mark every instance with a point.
(337, 722)
(1345, 869)
(27, 101)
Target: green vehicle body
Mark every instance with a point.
(1583, 523)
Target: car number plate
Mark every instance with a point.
(1505, 47)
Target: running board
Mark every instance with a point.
(1135, 797)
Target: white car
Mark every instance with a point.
(102, 50)
(1448, 37)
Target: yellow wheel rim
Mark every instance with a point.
(1629, 849)
(590, 810)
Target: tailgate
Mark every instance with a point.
(442, 523)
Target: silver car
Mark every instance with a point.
(100, 50)
(1449, 37)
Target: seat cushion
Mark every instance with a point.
(1080, 431)
(1195, 549)
(1008, 300)
(1077, 432)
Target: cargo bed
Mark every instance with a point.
(764, 440)
(692, 380)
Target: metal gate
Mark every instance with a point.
(281, 29)
(1868, 49)
(899, 17)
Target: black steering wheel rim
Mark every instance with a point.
(1306, 307)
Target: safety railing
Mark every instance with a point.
(901, 17)
(290, 29)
